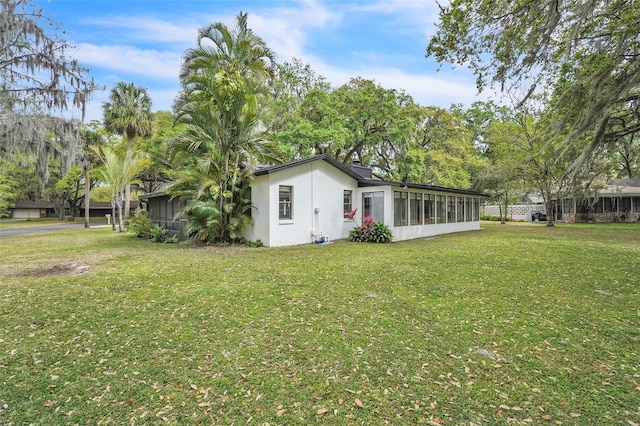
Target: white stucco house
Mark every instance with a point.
(300, 201)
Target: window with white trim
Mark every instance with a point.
(429, 209)
(347, 203)
(373, 205)
(285, 202)
(441, 208)
(451, 209)
(415, 208)
(400, 208)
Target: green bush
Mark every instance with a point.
(255, 244)
(158, 233)
(141, 226)
(371, 232)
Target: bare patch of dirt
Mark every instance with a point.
(54, 267)
(68, 268)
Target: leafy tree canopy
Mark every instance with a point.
(585, 52)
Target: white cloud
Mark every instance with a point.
(164, 65)
(148, 28)
(286, 30)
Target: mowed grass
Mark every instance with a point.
(506, 325)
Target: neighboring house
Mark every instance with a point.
(44, 209)
(102, 209)
(618, 202)
(32, 210)
(298, 202)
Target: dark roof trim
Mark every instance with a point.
(147, 197)
(34, 205)
(362, 182)
(49, 204)
(332, 161)
(371, 183)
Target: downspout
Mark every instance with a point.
(316, 235)
(314, 213)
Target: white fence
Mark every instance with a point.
(516, 212)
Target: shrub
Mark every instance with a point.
(141, 226)
(371, 232)
(255, 244)
(171, 240)
(158, 233)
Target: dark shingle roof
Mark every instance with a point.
(362, 182)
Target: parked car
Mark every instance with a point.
(538, 217)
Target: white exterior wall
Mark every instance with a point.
(25, 214)
(260, 196)
(409, 232)
(315, 185)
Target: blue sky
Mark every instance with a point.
(142, 41)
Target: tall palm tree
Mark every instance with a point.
(128, 113)
(229, 143)
(235, 49)
(222, 80)
(119, 172)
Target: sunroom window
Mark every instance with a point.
(415, 208)
(400, 208)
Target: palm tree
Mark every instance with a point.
(91, 138)
(128, 113)
(228, 143)
(119, 172)
(225, 124)
(235, 49)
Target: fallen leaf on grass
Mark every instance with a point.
(358, 403)
(280, 412)
(322, 411)
(546, 417)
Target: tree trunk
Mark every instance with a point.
(127, 190)
(120, 219)
(549, 209)
(127, 201)
(506, 206)
(87, 197)
(113, 214)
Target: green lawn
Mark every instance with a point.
(507, 325)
